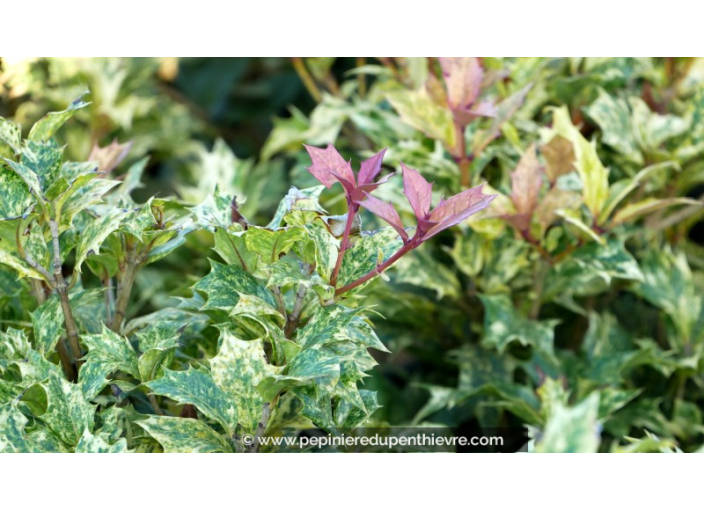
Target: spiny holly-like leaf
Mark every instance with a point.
(93, 236)
(90, 443)
(224, 285)
(184, 435)
(237, 369)
(13, 345)
(503, 324)
(28, 176)
(44, 160)
(48, 320)
(304, 202)
(368, 252)
(46, 127)
(334, 324)
(107, 353)
(110, 156)
(68, 413)
(321, 250)
(13, 438)
(16, 198)
(83, 198)
(572, 429)
(10, 134)
(271, 244)
(198, 388)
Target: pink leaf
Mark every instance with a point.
(386, 212)
(526, 182)
(417, 190)
(463, 77)
(370, 168)
(457, 209)
(326, 161)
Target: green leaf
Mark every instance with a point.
(572, 429)
(225, 284)
(28, 176)
(503, 324)
(668, 284)
(184, 435)
(504, 111)
(46, 127)
(11, 134)
(48, 320)
(237, 369)
(68, 413)
(16, 197)
(97, 444)
(574, 218)
(107, 353)
(93, 236)
(44, 160)
(13, 438)
(418, 110)
(420, 269)
(301, 203)
(198, 388)
(271, 244)
(368, 251)
(614, 118)
(595, 177)
(324, 248)
(633, 211)
(621, 189)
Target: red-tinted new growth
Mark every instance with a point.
(448, 212)
(463, 79)
(329, 167)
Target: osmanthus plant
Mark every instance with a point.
(292, 344)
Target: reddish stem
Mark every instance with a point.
(413, 243)
(352, 209)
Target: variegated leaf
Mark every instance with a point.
(197, 387)
(107, 353)
(184, 435)
(46, 127)
(238, 368)
(93, 236)
(89, 443)
(68, 413)
(224, 284)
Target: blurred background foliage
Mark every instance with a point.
(576, 310)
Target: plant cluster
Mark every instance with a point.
(556, 284)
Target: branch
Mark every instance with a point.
(352, 209)
(261, 428)
(307, 79)
(380, 268)
(292, 321)
(62, 290)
